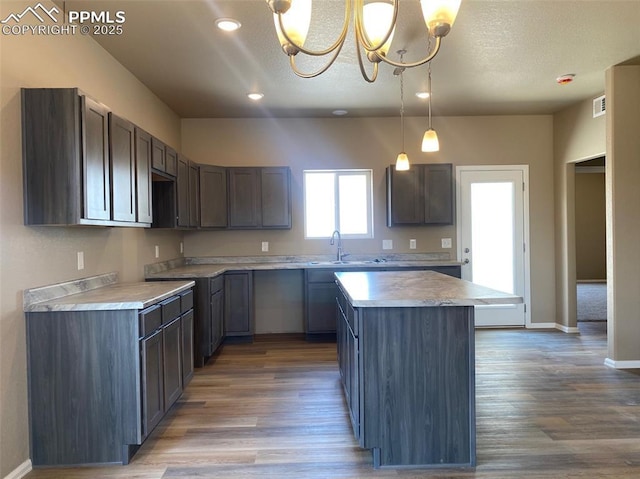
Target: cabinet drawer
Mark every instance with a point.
(186, 301)
(320, 275)
(170, 309)
(150, 320)
(216, 284)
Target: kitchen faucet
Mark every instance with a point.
(339, 253)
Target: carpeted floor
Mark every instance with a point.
(592, 301)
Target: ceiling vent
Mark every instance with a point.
(599, 106)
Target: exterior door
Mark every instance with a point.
(492, 225)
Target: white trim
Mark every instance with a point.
(568, 329)
(526, 236)
(20, 471)
(612, 363)
(541, 326)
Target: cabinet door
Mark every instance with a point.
(183, 191)
(244, 198)
(217, 320)
(95, 160)
(172, 361)
(238, 303)
(158, 155)
(143, 177)
(186, 331)
(405, 200)
(171, 161)
(123, 169)
(438, 197)
(194, 195)
(213, 197)
(152, 382)
(275, 190)
(321, 308)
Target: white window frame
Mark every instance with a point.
(369, 201)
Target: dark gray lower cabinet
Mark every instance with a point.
(209, 317)
(152, 382)
(409, 380)
(100, 381)
(172, 362)
(238, 304)
(187, 344)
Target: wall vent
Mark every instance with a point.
(599, 106)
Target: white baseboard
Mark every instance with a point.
(622, 364)
(567, 329)
(20, 471)
(541, 326)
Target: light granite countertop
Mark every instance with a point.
(416, 289)
(100, 293)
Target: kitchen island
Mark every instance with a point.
(406, 353)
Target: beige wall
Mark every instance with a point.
(623, 221)
(590, 224)
(374, 143)
(34, 256)
(577, 136)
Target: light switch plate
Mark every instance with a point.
(157, 251)
(446, 242)
(387, 244)
(181, 247)
(412, 244)
(80, 260)
(265, 246)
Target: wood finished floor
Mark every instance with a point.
(547, 407)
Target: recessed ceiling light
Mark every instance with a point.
(339, 112)
(228, 24)
(255, 96)
(423, 95)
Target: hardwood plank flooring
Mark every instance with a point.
(547, 408)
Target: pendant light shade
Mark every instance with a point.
(402, 162)
(430, 141)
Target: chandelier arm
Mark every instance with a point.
(337, 44)
(428, 58)
(374, 75)
(360, 31)
(292, 62)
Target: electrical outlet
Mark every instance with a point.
(412, 244)
(157, 251)
(265, 246)
(387, 244)
(80, 260)
(446, 242)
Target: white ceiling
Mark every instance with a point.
(501, 57)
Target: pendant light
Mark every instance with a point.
(430, 141)
(402, 162)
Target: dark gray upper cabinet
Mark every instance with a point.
(143, 176)
(423, 195)
(164, 158)
(259, 198)
(188, 191)
(123, 168)
(68, 171)
(213, 196)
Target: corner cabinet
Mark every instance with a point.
(117, 373)
(79, 165)
(259, 198)
(188, 190)
(423, 195)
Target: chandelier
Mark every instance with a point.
(374, 25)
